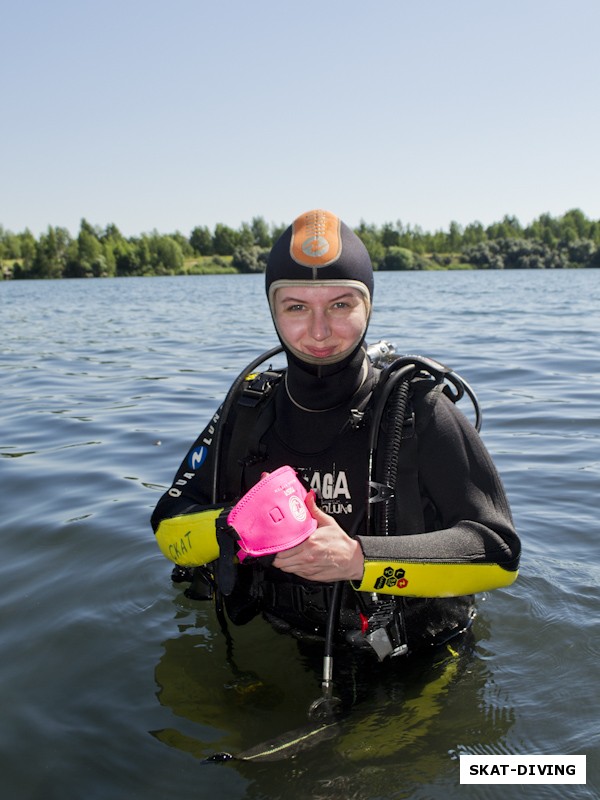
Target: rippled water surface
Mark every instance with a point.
(114, 685)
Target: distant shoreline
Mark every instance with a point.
(570, 241)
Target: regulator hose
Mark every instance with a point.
(383, 490)
(397, 412)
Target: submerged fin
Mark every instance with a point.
(285, 746)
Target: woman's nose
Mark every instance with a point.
(319, 327)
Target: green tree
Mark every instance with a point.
(576, 220)
(28, 247)
(225, 240)
(126, 256)
(390, 235)
(50, 255)
(581, 252)
(245, 236)
(250, 259)
(545, 229)
(166, 256)
(86, 256)
(109, 260)
(261, 233)
(133, 257)
(201, 241)
(436, 242)
(485, 255)
(10, 244)
(113, 244)
(454, 240)
(369, 236)
(473, 234)
(184, 244)
(515, 254)
(399, 258)
(414, 239)
(90, 258)
(509, 228)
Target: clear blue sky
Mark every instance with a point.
(167, 115)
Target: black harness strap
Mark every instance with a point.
(253, 415)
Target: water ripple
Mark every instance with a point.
(100, 399)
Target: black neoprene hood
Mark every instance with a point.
(318, 249)
(318, 246)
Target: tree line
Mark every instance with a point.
(571, 240)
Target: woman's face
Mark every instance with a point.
(321, 322)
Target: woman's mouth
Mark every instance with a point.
(321, 352)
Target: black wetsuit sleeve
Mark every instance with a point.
(474, 545)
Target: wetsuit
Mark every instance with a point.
(446, 531)
(456, 538)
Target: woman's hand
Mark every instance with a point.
(328, 554)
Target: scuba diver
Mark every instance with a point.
(410, 515)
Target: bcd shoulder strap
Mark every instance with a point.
(251, 416)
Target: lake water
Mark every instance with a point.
(115, 685)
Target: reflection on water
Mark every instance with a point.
(266, 682)
(113, 684)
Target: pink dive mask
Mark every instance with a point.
(272, 516)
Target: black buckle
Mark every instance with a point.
(258, 387)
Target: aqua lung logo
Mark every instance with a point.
(197, 457)
(391, 578)
(315, 246)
